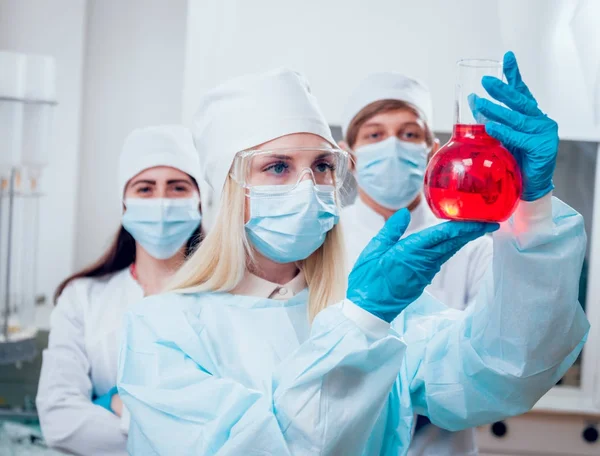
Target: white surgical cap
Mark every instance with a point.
(165, 145)
(388, 86)
(248, 111)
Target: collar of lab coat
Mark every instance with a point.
(421, 217)
(252, 285)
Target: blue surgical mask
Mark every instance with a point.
(288, 227)
(392, 171)
(161, 225)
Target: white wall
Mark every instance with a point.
(134, 77)
(550, 38)
(338, 42)
(25, 26)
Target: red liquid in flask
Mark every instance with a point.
(473, 177)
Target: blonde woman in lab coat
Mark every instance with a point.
(264, 347)
(387, 128)
(79, 408)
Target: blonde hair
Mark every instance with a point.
(225, 254)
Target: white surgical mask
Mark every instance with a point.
(161, 225)
(289, 227)
(392, 171)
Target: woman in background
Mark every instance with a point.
(79, 408)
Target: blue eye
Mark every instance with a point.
(324, 167)
(277, 168)
(412, 134)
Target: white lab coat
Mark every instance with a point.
(456, 285)
(81, 362)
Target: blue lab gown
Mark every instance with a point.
(223, 374)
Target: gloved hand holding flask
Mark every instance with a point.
(529, 134)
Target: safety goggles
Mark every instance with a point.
(281, 170)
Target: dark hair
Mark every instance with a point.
(120, 255)
(378, 107)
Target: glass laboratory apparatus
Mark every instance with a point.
(27, 98)
(472, 177)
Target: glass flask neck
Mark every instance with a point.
(472, 132)
(468, 81)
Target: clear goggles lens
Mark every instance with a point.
(286, 168)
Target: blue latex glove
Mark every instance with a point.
(529, 134)
(390, 273)
(105, 400)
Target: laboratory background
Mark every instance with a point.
(106, 67)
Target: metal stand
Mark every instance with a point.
(11, 198)
(20, 348)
